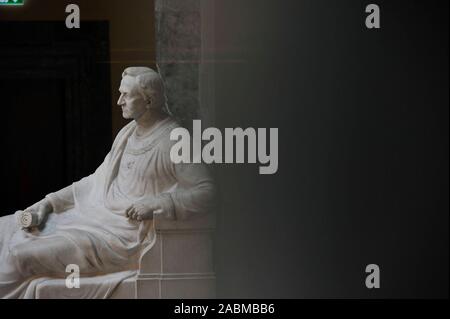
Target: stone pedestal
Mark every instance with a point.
(180, 263)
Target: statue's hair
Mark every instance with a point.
(149, 83)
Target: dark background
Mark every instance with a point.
(363, 140)
(363, 148)
(55, 105)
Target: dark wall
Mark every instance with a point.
(131, 33)
(55, 89)
(363, 148)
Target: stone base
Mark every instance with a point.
(176, 286)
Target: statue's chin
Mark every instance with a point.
(126, 116)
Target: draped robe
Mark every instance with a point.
(88, 227)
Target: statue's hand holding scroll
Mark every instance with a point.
(145, 209)
(34, 215)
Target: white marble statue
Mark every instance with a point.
(102, 222)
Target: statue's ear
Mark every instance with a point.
(149, 102)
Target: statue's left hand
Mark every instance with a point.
(145, 209)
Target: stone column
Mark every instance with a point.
(184, 46)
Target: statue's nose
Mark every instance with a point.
(120, 101)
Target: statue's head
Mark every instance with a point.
(141, 90)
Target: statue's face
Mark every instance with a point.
(131, 101)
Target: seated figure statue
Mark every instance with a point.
(102, 222)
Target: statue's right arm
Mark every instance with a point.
(62, 199)
(53, 202)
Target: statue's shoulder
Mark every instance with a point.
(169, 125)
(124, 131)
(127, 128)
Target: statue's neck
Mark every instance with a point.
(147, 121)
